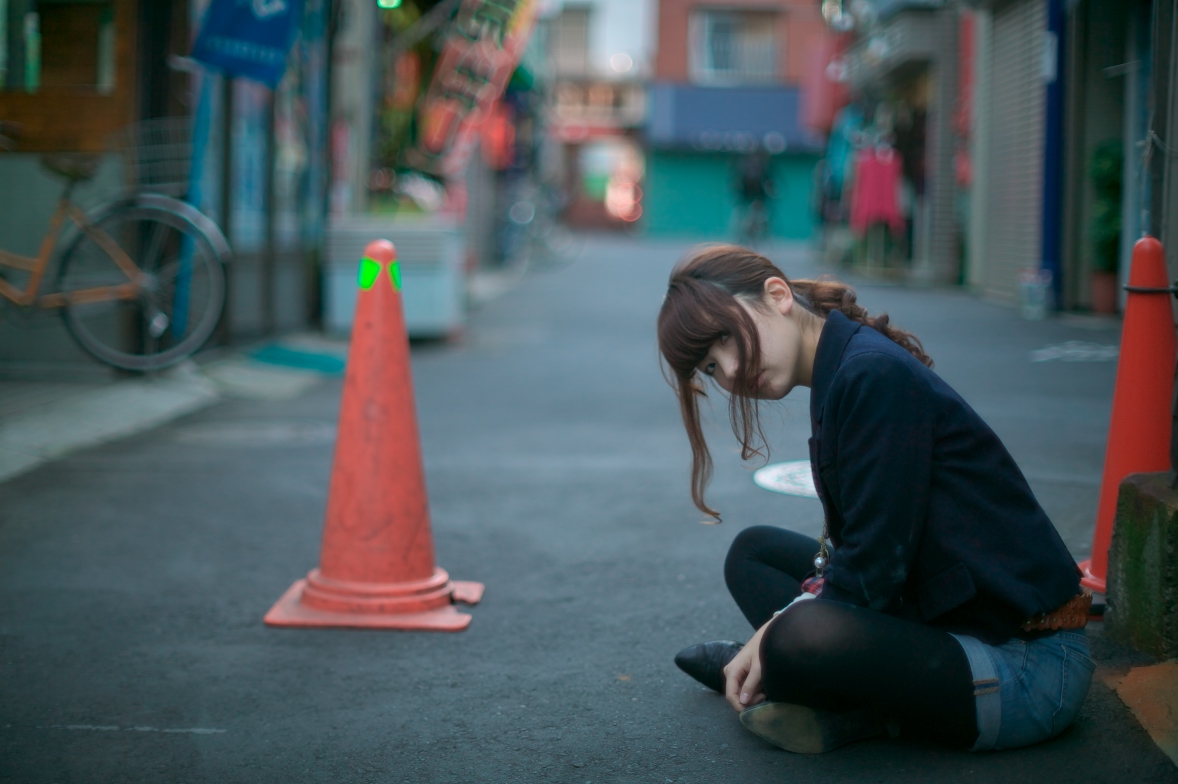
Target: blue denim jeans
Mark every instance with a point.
(1027, 692)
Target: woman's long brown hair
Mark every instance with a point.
(701, 308)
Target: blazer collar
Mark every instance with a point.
(836, 333)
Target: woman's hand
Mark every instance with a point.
(742, 687)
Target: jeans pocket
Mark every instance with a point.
(1077, 678)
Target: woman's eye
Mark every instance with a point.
(710, 369)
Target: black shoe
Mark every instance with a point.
(805, 730)
(705, 662)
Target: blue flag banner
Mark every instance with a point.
(248, 38)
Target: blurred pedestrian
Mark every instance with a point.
(754, 188)
(940, 600)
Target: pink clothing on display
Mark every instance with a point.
(875, 196)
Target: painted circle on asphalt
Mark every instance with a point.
(792, 478)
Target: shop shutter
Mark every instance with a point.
(1016, 145)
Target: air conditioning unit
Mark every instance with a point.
(430, 250)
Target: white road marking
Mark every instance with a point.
(792, 478)
(1076, 351)
(115, 728)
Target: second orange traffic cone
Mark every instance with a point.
(376, 567)
(1139, 432)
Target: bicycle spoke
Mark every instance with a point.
(154, 246)
(168, 274)
(166, 293)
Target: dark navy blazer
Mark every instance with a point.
(930, 518)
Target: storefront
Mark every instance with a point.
(700, 138)
(72, 77)
(1062, 132)
(1108, 81)
(265, 178)
(902, 71)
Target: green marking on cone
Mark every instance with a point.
(395, 274)
(369, 272)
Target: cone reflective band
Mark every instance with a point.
(376, 564)
(370, 271)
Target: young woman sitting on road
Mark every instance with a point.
(943, 602)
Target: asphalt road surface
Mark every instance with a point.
(134, 576)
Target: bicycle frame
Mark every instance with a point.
(39, 264)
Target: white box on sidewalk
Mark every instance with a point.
(433, 271)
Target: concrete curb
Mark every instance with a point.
(1142, 578)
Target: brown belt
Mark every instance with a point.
(1073, 614)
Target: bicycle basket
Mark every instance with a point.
(157, 154)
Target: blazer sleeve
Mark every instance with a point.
(881, 417)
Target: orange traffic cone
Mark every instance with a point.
(376, 569)
(1139, 433)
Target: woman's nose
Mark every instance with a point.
(727, 371)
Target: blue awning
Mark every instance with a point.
(730, 119)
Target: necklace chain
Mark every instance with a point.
(823, 556)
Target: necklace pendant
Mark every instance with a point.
(819, 564)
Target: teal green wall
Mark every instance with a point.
(693, 195)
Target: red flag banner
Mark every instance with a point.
(481, 49)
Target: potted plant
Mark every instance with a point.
(1105, 229)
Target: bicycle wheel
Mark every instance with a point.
(177, 283)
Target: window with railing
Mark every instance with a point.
(568, 41)
(734, 47)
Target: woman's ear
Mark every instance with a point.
(779, 295)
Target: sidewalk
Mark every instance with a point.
(44, 420)
(134, 574)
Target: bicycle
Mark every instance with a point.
(532, 232)
(140, 280)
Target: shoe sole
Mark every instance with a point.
(805, 730)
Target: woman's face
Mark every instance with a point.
(780, 342)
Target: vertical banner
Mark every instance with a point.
(248, 38)
(480, 51)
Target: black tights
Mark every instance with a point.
(836, 656)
